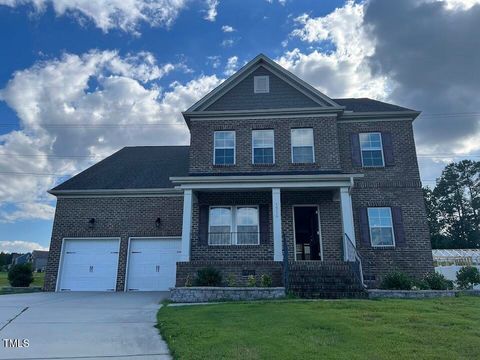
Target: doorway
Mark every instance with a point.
(307, 232)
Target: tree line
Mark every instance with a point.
(453, 207)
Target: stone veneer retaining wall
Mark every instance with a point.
(206, 294)
(418, 294)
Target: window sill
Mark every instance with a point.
(303, 164)
(373, 167)
(223, 165)
(263, 165)
(383, 246)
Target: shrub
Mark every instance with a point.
(396, 281)
(20, 275)
(265, 281)
(468, 277)
(251, 281)
(231, 280)
(188, 281)
(208, 276)
(436, 281)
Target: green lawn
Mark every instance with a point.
(38, 279)
(346, 329)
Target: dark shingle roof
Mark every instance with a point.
(142, 167)
(368, 105)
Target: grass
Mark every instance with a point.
(38, 279)
(446, 328)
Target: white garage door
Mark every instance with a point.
(152, 263)
(89, 265)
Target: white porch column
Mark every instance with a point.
(277, 225)
(187, 224)
(347, 213)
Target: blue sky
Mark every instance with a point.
(69, 75)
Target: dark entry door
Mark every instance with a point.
(307, 233)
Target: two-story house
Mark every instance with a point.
(277, 176)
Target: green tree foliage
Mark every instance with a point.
(20, 275)
(453, 207)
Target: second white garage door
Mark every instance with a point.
(152, 263)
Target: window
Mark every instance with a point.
(261, 84)
(263, 147)
(224, 152)
(371, 149)
(302, 146)
(220, 226)
(235, 225)
(381, 226)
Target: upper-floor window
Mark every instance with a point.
(233, 225)
(263, 147)
(381, 226)
(224, 148)
(261, 84)
(302, 146)
(371, 149)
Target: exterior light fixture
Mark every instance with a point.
(158, 222)
(91, 223)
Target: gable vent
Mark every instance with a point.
(261, 84)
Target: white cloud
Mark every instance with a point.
(232, 65)
(337, 65)
(227, 43)
(85, 97)
(110, 14)
(214, 61)
(227, 29)
(457, 4)
(18, 246)
(211, 13)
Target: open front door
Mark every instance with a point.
(307, 233)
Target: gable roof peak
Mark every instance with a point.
(262, 60)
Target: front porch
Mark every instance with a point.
(269, 224)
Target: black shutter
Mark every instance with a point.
(388, 149)
(364, 227)
(203, 225)
(398, 226)
(355, 146)
(264, 223)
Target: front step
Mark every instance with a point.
(328, 280)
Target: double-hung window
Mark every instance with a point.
(371, 149)
(263, 147)
(224, 148)
(233, 225)
(381, 226)
(302, 146)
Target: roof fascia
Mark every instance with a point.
(379, 115)
(106, 192)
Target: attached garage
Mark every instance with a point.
(152, 263)
(88, 264)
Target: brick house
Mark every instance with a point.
(277, 176)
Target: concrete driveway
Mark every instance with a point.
(82, 325)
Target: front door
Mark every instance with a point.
(307, 233)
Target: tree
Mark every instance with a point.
(453, 206)
(20, 275)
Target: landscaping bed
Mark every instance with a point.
(443, 328)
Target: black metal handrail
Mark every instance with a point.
(351, 255)
(285, 261)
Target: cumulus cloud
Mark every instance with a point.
(337, 64)
(18, 246)
(75, 110)
(430, 51)
(232, 65)
(227, 28)
(111, 14)
(211, 13)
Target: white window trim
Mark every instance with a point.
(256, 90)
(233, 228)
(381, 150)
(273, 147)
(291, 145)
(391, 227)
(234, 147)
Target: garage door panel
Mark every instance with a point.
(152, 263)
(89, 265)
